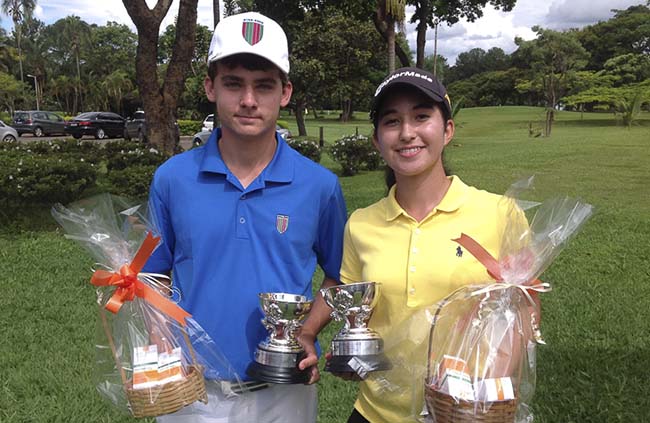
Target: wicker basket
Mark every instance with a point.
(170, 397)
(447, 409)
(167, 398)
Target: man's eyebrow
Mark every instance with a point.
(231, 78)
(266, 81)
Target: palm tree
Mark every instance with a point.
(19, 10)
(391, 12)
(75, 33)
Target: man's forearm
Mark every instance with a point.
(319, 316)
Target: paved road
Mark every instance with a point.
(186, 140)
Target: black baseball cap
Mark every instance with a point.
(424, 81)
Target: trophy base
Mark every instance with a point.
(363, 364)
(273, 374)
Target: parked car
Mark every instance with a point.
(136, 127)
(7, 133)
(98, 124)
(38, 123)
(208, 123)
(201, 137)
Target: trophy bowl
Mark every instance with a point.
(356, 348)
(277, 357)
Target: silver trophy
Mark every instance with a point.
(277, 357)
(356, 348)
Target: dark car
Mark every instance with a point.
(38, 123)
(136, 127)
(98, 124)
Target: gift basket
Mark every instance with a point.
(481, 355)
(150, 353)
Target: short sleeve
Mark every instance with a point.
(329, 243)
(351, 270)
(161, 260)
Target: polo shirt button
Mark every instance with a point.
(412, 291)
(243, 197)
(242, 220)
(415, 250)
(417, 231)
(412, 269)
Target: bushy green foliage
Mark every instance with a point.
(189, 127)
(307, 146)
(121, 155)
(131, 182)
(45, 172)
(354, 153)
(29, 179)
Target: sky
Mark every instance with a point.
(494, 29)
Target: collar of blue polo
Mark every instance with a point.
(453, 199)
(279, 169)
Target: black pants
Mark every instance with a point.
(356, 417)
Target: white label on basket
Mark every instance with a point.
(498, 389)
(169, 366)
(458, 385)
(145, 366)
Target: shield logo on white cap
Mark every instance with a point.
(252, 31)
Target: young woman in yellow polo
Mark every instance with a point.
(404, 241)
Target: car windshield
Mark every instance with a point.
(22, 115)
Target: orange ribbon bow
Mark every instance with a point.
(129, 286)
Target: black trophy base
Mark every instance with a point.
(367, 363)
(272, 374)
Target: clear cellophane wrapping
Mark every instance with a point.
(150, 358)
(475, 349)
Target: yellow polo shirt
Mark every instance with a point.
(417, 264)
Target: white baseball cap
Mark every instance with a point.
(251, 33)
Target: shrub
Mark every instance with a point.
(189, 127)
(120, 155)
(355, 152)
(307, 146)
(132, 182)
(43, 179)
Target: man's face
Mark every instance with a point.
(248, 102)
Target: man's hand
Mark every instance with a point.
(307, 341)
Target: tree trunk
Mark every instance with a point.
(216, 12)
(160, 102)
(435, 50)
(421, 39)
(382, 28)
(300, 117)
(390, 38)
(346, 113)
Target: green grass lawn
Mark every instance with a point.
(595, 321)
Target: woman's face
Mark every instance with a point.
(411, 133)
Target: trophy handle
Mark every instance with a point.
(363, 316)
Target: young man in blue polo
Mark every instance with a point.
(245, 214)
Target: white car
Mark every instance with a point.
(201, 137)
(208, 123)
(7, 133)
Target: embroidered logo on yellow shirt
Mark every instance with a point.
(459, 252)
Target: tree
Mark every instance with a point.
(160, 101)
(19, 10)
(627, 32)
(73, 37)
(335, 59)
(11, 91)
(390, 13)
(430, 13)
(554, 57)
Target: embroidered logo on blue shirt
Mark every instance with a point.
(281, 223)
(459, 252)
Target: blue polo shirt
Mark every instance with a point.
(225, 244)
